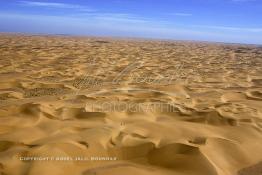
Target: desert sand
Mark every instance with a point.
(107, 106)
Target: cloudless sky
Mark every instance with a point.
(234, 21)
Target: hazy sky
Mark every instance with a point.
(210, 20)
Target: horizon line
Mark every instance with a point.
(130, 37)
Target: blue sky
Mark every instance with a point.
(237, 21)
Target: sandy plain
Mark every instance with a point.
(105, 106)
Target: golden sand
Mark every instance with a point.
(103, 106)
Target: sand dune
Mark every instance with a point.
(99, 106)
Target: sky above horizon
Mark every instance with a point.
(234, 21)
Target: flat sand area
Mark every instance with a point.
(107, 106)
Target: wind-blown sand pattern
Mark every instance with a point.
(57, 95)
